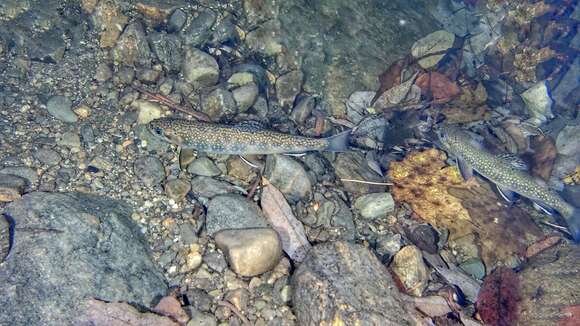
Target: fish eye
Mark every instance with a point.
(158, 131)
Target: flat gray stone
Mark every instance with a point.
(60, 107)
(70, 247)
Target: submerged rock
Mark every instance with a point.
(288, 176)
(549, 286)
(250, 252)
(375, 205)
(344, 284)
(199, 68)
(408, 265)
(60, 107)
(71, 247)
(232, 212)
(426, 48)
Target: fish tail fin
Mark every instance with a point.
(573, 222)
(338, 142)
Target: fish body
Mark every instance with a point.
(509, 178)
(242, 139)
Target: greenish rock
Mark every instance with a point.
(245, 96)
(73, 238)
(47, 156)
(207, 187)
(474, 267)
(375, 205)
(60, 107)
(203, 166)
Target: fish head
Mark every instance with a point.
(450, 137)
(164, 129)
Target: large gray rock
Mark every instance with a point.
(344, 283)
(335, 42)
(70, 248)
(231, 211)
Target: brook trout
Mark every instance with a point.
(508, 174)
(242, 139)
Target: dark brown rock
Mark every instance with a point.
(344, 283)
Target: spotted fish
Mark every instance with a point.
(508, 174)
(242, 139)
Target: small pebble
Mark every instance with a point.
(372, 206)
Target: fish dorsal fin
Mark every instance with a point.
(513, 160)
(250, 125)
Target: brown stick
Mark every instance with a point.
(235, 310)
(166, 101)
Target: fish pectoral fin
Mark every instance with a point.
(544, 208)
(465, 169)
(506, 194)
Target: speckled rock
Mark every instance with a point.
(250, 252)
(150, 170)
(199, 68)
(60, 107)
(231, 211)
(409, 266)
(168, 49)
(549, 283)
(353, 166)
(132, 47)
(218, 104)
(345, 284)
(288, 176)
(87, 237)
